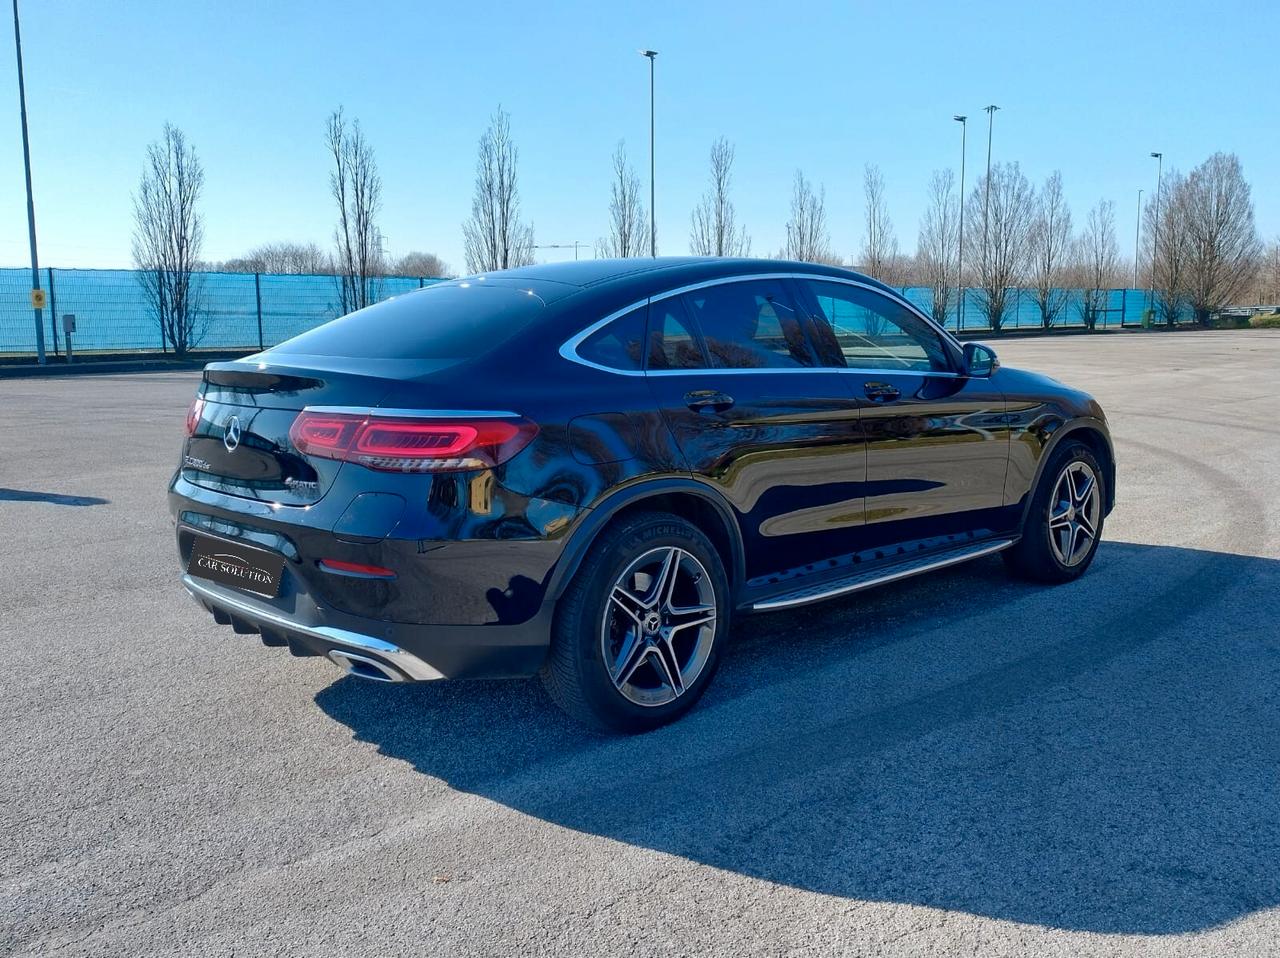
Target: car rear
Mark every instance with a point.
(343, 494)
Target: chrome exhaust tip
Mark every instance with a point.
(364, 667)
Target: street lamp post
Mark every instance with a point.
(1137, 238)
(653, 221)
(31, 205)
(1155, 237)
(986, 189)
(964, 135)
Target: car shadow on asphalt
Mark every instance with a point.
(56, 498)
(1101, 756)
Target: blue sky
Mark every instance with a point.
(1088, 88)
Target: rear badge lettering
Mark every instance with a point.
(302, 485)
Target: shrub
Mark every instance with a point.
(1265, 321)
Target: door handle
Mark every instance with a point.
(881, 392)
(710, 399)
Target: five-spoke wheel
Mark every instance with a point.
(1075, 512)
(637, 634)
(659, 625)
(1063, 522)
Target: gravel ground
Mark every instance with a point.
(959, 764)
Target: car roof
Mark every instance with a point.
(657, 272)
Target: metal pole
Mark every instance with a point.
(653, 216)
(257, 292)
(964, 137)
(1137, 237)
(1155, 236)
(986, 189)
(31, 206)
(53, 310)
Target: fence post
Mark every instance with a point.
(257, 293)
(420, 285)
(164, 342)
(53, 310)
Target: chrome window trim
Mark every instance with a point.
(569, 348)
(413, 413)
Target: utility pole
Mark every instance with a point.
(653, 218)
(964, 135)
(1155, 237)
(37, 294)
(1137, 237)
(986, 190)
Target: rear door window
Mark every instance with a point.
(673, 342)
(753, 324)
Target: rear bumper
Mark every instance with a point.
(383, 651)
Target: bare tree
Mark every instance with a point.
(1004, 262)
(494, 237)
(939, 241)
(879, 244)
(716, 231)
(1269, 274)
(1050, 245)
(422, 265)
(167, 236)
(628, 221)
(1167, 246)
(283, 258)
(1223, 242)
(357, 191)
(1098, 258)
(807, 236)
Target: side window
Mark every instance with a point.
(871, 331)
(617, 345)
(750, 325)
(672, 341)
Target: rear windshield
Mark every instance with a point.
(439, 322)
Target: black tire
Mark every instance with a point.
(575, 673)
(1035, 557)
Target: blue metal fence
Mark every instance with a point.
(113, 312)
(248, 310)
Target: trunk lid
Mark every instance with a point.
(240, 445)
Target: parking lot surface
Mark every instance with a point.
(953, 764)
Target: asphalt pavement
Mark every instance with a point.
(957, 764)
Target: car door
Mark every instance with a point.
(733, 370)
(937, 440)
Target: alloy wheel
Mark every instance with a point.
(1075, 512)
(659, 626)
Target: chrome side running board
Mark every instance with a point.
(364, 646)
(880, 576)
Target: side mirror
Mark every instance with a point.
(979, 361)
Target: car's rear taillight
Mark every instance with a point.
(194, 412)
(402, 444)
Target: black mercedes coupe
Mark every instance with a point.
(587, 470)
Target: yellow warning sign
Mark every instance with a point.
(37, 299)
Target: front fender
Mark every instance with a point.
(1034, 444)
